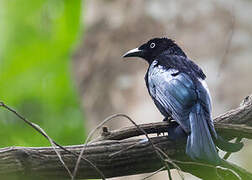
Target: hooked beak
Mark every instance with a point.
(134, 53)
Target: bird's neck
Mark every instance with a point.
(174, 50)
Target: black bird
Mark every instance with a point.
(178, 88)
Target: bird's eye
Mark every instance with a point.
(152, 45)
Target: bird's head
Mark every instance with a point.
(154, 47)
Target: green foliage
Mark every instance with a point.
(37, 38)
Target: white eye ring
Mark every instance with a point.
(152, 45)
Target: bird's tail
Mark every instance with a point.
(200, 145)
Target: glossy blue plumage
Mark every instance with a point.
(187, 100)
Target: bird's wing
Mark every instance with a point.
(177, 93)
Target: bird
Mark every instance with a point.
(178, 88)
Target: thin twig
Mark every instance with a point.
(154, 147)
(86, 143)
(100, 125)
(41, 131)
(152, 174)
(52, 142)
(171, 162)
(230, 170)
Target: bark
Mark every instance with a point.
(116, 155)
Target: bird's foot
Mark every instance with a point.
(168, 119)
(175, 131)
(171, 123)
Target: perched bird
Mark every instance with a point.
(178, 88)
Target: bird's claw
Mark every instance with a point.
(168, 119)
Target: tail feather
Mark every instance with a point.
(200, 145)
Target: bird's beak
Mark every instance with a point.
(133, 53)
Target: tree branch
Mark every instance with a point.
(115, 155)
(234, 123)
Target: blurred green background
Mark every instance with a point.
(37, 40)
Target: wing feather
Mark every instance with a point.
(174, 92)
(177, 92)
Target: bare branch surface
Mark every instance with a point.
(108, 153)
(234, 123)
